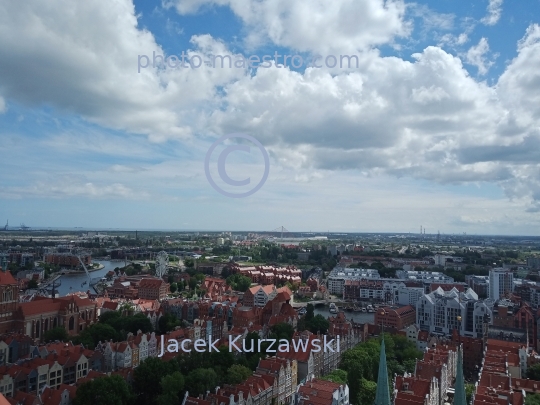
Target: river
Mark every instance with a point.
(360, 317)
(72, 282)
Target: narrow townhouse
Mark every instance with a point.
(152, 345)
(141, 340)
(19, 376)
(7, 386)
(109, 354)
(322, 392)
(123, 355)
(56, 372)
(134, 353)
(286, 373)
(410, 390)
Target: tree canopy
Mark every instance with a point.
(58, 333)
(318, 324)
(361, 363)
(125, 324)
(148, 376)
(533, 372)
(105, 390)
(171, 387)
(239, 282)
(201, 380)
(237, 374)
(282, 331)
(338, 376)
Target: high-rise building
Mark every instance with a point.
(533, 262)
(438, 312)
(501, 282)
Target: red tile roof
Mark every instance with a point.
(6, 278)
(151, 282)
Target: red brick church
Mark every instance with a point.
(36, 317)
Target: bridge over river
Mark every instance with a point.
(336, 301)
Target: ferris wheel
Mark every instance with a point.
(162, 264)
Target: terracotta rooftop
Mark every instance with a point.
(151, 282)
(6, 278)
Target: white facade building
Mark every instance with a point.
(438, 312)
(337, 277)
(425, 276)
(501, 282)
(409, 295)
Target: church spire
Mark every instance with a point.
(382, 397)
(459, 394)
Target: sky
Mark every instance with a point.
(435, 122)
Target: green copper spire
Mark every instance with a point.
(382, 396)
(459, 395)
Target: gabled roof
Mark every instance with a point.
(3, 400)
(6, 278)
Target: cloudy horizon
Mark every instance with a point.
(439, 125)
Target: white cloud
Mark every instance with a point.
(476, 56)
(345, 26)
(422, 119)
(82, 58)
(494, 11)
(453, 40)
(68, 187)
(431, 19)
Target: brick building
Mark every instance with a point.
(512, 318)
(153, 289)
(473, 351)
(122, 289)
(67, 259)
(9, 299)
(395, 317)
(36, 317)
(269, 274)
